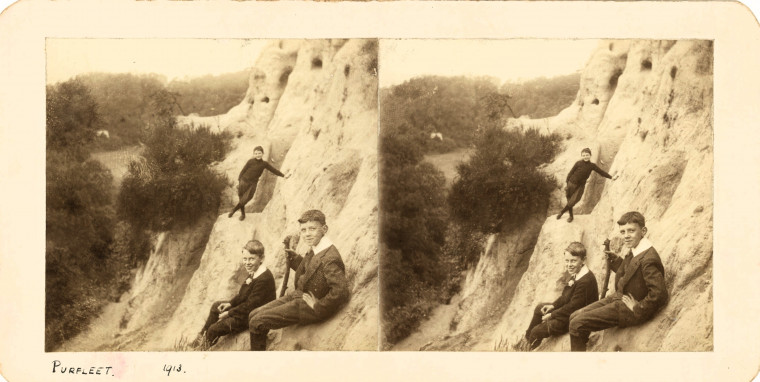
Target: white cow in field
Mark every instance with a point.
(437, 136)
(103, 133)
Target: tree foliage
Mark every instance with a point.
(423, 252)
(412, 229)
(79, 219)
(501, 185)
(542, 97)
(210, 94)
(124, 104)
(173, 186)
(451, 106)
(461, 108)
(88, 256)
(72, 118)
(127, 102)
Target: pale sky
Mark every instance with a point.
(508, 60)
(173, 58)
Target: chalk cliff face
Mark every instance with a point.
(312, 105)
(645, 110)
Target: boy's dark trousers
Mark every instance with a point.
(215, 328)
(538, 329)
(642, 277)
(246, 190)
(285, 311)
(603, 314)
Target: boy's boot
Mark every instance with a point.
(559, 216)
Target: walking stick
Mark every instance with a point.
(609, 269)
(288, 246)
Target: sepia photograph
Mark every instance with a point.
(186, 179)
(518, 179)
(379, 191)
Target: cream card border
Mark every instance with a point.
(25, 25)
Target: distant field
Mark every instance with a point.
(117, 161)
(448, 162)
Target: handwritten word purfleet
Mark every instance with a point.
(99, 370)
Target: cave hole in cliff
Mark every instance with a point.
(265, 100)
(612, 46)
(316, 63)
(315, 134)
(280, 44)
(614, 79)
(673, 71)
(259, 76)
(595, 101)
(347, 70)
(340, 116)
(285, 75)
(646, 64)
(639, 120)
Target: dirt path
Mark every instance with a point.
(101, 331)
(117, 161)
(448, 162)
(435, 328)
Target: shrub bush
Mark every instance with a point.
(174, 186)
(501, 185)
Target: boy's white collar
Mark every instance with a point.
(644, 244)
(581, 273)
(323, 244)
(262, 269)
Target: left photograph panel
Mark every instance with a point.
(211, 194)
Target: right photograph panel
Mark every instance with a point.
(546, 195)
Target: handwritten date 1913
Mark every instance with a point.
(169, 368)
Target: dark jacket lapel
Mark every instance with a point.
(313, 265)
(631, 270)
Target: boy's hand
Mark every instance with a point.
(546, 316)
(610, 255)
(629, 301)
(291, 254)
(223, 316)
(546, 309)
(224, 306)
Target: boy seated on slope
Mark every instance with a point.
(552, 319)
(640, 289)
(321, 287)
(229, 317)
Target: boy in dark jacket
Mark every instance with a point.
(576, 181)
(321, 287)
(553, 319)
(640, 290)
(249, 179)
(228, 317)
